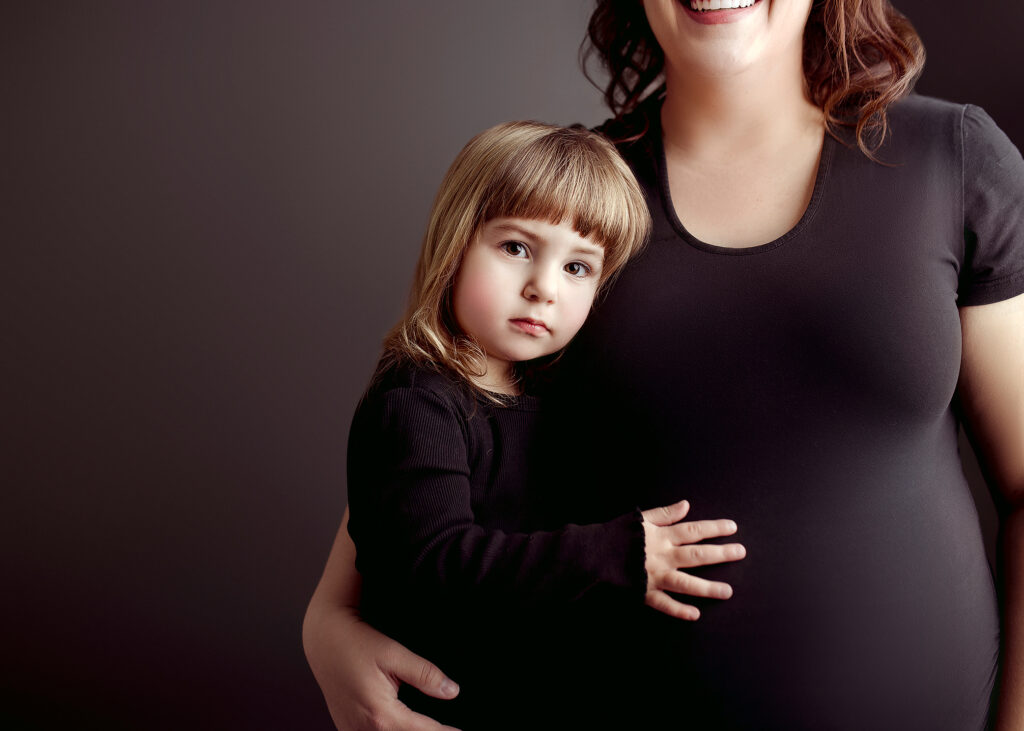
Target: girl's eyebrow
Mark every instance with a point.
(591, 249)
(513, 228)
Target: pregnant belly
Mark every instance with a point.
(874, 646)
(859, 606)
(865, 601)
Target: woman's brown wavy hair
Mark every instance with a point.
(860, 56)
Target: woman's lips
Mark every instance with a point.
(528, 326)
(718, 14)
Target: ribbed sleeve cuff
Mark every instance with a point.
(622, 554)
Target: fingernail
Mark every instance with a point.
(725, 592)
(448, 687)
(732, 525)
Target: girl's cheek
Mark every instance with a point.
(580, 311)
(475, 294)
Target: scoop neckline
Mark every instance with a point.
(820, 176)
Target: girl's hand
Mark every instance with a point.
(670, 546)
(359, 671)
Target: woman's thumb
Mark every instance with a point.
(421, 674)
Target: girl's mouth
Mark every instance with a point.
(529, 326)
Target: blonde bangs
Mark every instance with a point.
(577, 176)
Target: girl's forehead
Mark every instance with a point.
(569, 219)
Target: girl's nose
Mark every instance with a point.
(541, 287)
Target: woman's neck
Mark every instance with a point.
(737, 116)
(742, 154)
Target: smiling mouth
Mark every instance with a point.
(706, 5)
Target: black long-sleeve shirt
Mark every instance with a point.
(444, 498)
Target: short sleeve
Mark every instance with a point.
(993, 200)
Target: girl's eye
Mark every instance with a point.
(514, 248)
(577, 269)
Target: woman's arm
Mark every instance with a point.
(992, 394)
(358, 668)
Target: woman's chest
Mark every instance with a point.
(855, 308)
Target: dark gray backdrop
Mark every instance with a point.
(210, 213)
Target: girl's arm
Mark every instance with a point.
(410, 491)
(991, 391)
(358, 668)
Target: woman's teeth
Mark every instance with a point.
(720, 4)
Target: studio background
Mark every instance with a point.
(210, 215)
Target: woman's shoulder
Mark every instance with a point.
(944, 141)
(966, 132)
(921, 106)
(927, 134)
(921, 117)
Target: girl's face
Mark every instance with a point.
(524, 289)
(728, 40)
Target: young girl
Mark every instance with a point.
(530, 222)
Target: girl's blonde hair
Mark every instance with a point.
(519, 170)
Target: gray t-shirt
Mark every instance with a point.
(806, 389)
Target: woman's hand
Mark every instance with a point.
(359, 671)
(672, 545)
(358, 668)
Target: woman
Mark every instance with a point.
(818, 306)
